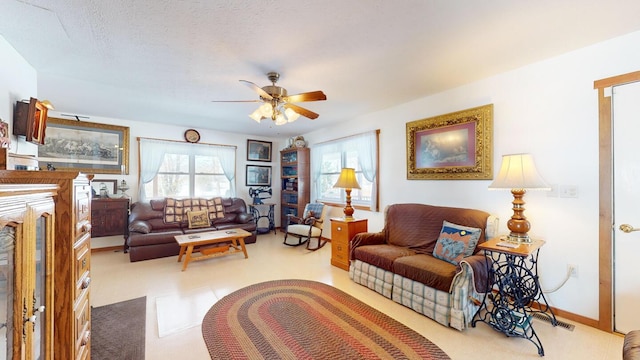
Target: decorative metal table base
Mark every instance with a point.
(508, 308)
(260, 211)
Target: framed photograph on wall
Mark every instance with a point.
(258, 150)
(453, 146)
(84, 146)
(258, 175)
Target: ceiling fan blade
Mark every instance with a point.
(308, 96)
(257, 89)
(236, 101)
(302, 111)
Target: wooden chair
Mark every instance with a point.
(307, 227)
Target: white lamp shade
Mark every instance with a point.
(518, 171)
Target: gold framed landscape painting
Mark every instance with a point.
(454, 146)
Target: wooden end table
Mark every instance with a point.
(201, 243)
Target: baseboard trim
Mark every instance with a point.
(108, 248)
(570, 316)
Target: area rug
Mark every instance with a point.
(118, 330)
(299, 319)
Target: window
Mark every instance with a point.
(359, 152)
(173, 169)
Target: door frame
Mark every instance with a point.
(605, 232)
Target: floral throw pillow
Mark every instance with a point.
(456, 242)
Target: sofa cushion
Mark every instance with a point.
(426, 269)
(166, 237)
(456, 242)
(198, 219)
(140, 226)
(381, 256)
(417, 226)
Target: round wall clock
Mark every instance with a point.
(192, 136)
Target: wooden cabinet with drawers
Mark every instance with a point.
(109, 216)
(72, 258)
(342, 231)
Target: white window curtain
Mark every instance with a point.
(366, 146)
(152, 153)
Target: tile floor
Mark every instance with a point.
(114, 279)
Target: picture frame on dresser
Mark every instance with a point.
(454, 146)
(103, 148)
(111, 186)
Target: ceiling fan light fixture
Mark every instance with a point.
(266, 110)
(280, 120)
(256, 115)
(291, 115)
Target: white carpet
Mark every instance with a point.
(181, 311)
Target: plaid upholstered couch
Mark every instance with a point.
(426, 258)
(153, 224)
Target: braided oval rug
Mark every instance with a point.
(300, 319)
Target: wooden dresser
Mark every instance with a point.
(72, 258)
(342, 231)
(109, 216)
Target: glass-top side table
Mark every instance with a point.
(264, 211)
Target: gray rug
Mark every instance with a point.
(118, 330)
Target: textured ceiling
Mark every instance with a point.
(164, 61)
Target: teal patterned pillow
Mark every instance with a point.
(456, 242)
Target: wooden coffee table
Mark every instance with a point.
(202, 243)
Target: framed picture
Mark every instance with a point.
(258, 150)
(110, 185)
(88, 147)
(5, 140)
(258, 175)
(453, 146)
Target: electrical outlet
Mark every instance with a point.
(568, 191)
(572, 269)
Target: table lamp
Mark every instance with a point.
(347, 181)
(518, 173)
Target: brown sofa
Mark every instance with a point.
(631, 348)
(152, 236)
(398, 262)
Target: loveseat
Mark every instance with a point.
(153, 224)
(399, 262)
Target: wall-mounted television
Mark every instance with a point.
(30, 120)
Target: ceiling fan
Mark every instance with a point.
(277, 104)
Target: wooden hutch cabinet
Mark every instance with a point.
(26, 263)
(72, 254)
(295, 183)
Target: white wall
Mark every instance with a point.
(18, 81)
(175, 132)
(548, 109)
